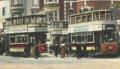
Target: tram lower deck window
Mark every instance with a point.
(90, 38)
(74, 39)
(12, 39)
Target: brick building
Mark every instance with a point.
(97, 4)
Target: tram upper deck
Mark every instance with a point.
(95, 15)
(22, 24)
(93, 20)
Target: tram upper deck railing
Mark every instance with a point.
(31, 19)
(94, 15)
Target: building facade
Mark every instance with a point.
(4, 11)
(25, 7)
(57, 12)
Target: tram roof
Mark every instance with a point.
(86, 12)
(27, 16)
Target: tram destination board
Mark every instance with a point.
(110, 27)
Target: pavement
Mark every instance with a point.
(111, 65)
(52, 62)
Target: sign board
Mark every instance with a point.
(87, 28)
(15, 29)
(109, 27)
(24, 28)
(56, 32)
(41, 29)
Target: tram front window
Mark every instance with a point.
(109, 36)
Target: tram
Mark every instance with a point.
(26, 33)
(94, 31)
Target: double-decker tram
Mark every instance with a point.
(94, 32)
(26, 34)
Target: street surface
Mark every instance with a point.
(51, 62)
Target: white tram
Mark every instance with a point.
(24, 33)
(94, 31)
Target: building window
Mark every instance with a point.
(35, 2)
(35, 11)
(50, 0)
(55, 0)
(12, 2)
(16, 2)
(3, 11)
(20, 1)
(55, 13)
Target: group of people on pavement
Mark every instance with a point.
(64, 50)
(61, 50)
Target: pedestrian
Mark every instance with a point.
(78, 51)
(67, 51)
(37, 52)
(62, 50)
(56, 50)
(51, 47)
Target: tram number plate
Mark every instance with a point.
(16, 49)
